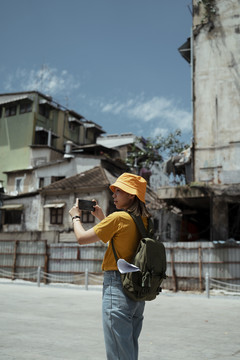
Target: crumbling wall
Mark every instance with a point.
(216, 86)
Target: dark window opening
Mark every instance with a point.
(73, 126)
(0, 112)
(234, 221)
(44, 110)
(169, 231)
(41, 183)
(10, 110)
(19, 184)
(13, 217)
(41, 138)
(155, 225)
(56, 216)
(56, 178)
(87, 217)
(25, 107)
(196, 226)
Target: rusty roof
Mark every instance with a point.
(93, 179)
(96, 177)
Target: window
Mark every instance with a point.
(56, 178)
(56, 216)
(0, 112)
(41, 137)
(41, 183)
(73, 126)
(87, 217)
(25, 107)
(10, 110)
(19, 185)
(44, 110)
(13, 217)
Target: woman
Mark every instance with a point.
(122, 317)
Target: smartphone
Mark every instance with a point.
(86, 204)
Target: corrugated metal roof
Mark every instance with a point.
(113, 142)
(12, 98)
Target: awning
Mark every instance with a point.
(12, 207)
(185, 50)
(73, 119)
(56, 206)
(39, 128)
(13, 98)
(48, 103)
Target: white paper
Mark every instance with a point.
(125, 267)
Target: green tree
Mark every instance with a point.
(155, 150)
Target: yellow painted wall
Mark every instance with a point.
(15, 138)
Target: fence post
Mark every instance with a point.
(207, 284)
(39, 276)
(86, 279)
(200, 268)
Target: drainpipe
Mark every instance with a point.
(192, 106)
(49, 138)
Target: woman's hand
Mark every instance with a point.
(98, 213)
(83, 236)
(75, 211)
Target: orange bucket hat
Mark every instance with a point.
(132, 184)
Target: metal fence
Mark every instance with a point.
(40, 276)
(213, 284)
(87, 278)
(187, 263)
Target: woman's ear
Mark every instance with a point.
(131, 196)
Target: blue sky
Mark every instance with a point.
(116, 62)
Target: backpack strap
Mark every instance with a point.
(140, 225)
(150, 228)
(114, 251)
(141, 228)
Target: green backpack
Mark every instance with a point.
(150, 258)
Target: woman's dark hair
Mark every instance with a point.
(139, 208)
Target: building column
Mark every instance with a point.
(219, 216)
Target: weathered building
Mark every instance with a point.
(38, 177)
(216, 92)
(122, 143)
(46, 211)
(35, 130)
(210, 203)
(73, 150)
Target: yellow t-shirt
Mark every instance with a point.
(120, 226)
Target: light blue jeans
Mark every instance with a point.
(122, 319)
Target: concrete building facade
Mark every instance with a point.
(216, 92)
(210, 202)
(34, 130)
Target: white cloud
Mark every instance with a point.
(115, 108)
(161, 113)
(47, 80)
(150, 109)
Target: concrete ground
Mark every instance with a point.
(53, 323)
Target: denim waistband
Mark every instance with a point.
(112, 275)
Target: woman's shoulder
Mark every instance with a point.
(119, 214)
